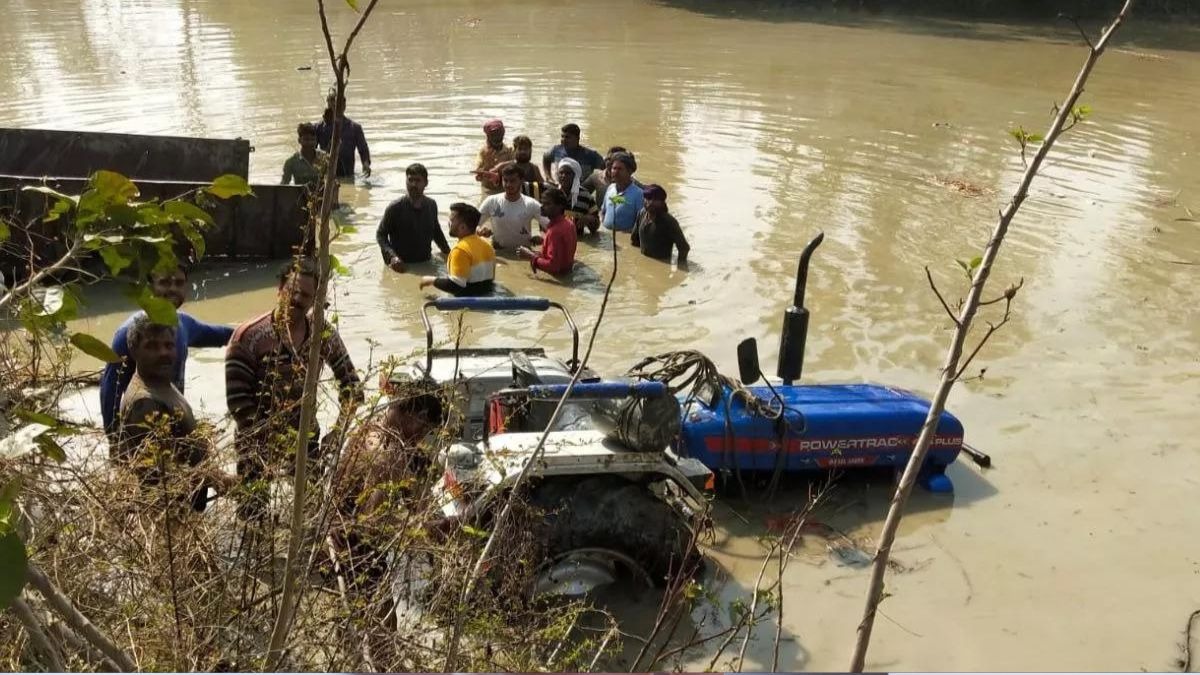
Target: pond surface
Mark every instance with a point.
(1077, 551)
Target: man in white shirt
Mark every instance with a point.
(508, 215)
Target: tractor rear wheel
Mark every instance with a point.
(611, 521)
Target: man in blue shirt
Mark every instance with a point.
(352, 139)
(190, 332)
(589, 160)
(623, 200)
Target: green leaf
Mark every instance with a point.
(1081, 111)
(1018, 133)
(975, 262)
(337, 266)
(1034, 138)
(197, 241)
(5, 233)
(475, 532)
(353, 4)
(37, 418)
(122, 216)
(8, 495)
(229, 185)
(60, 208)
(153, 214)
(51, 448)
(95, 348)
(188, 211)
(963, 264)
(116, 258)
(13, 566)
(113, 187)
(160, 310)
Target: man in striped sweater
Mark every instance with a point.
(264, 375)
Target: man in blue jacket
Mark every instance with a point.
(190, 332)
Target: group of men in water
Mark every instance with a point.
(142, 397)
(574, 193)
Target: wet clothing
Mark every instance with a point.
(558, 249)
(408, 232)
(621, 217)
(585, 205)
(510, 220)
(470, 267)
(352, 139)
(529, 172)
(190, 332)
(264, 384)
(657, 235)
(141, 413)
(489, 157)
(588, 159)
(303, 172)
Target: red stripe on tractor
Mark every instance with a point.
(864, 444)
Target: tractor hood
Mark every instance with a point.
(825, 426)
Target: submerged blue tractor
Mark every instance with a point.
(790, 427)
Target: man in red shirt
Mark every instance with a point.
(557, 256)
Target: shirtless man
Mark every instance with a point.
(154, 415)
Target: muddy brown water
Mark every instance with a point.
(1077, 551)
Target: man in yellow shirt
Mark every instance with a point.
(471, 265)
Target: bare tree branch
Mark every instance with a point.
(950, 370)
(77, 621)
(37, 636)
(945, 306)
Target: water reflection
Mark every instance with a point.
(890, 135)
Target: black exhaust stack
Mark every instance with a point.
(795, 322)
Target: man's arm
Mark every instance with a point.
(635, 237)
(337, 357)
(287, 172)
(364, 152)
(681, 242)
(382, 235)
(241, 385)
(458, 269)
(547, 158)
(114, 380)
(201, 334)
(439, 237)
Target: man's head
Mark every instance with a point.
(464, 218)
(511, 178)
(656, 198)
(554, 202)
(170, 286)
(565, 175)
(152, 347)
(524, 148)
(570, 136)
(341, 103)
(623, 168)
(413, 414)
(306, 133)
(494, 129)
(298, 285)
(416, 179)
(608, 161)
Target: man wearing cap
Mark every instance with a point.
(657, 231)
(493, 153)
(589, 160)
(623, 200)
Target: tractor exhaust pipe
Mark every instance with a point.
(795, 322)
